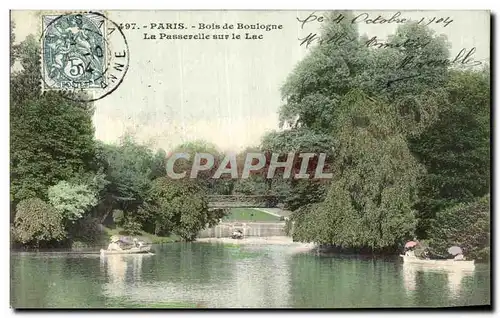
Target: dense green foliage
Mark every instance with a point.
(177, 206)
(51, 137)
(456, 149)
(465, 225)
(409, 137)
(369, 199)
(37, 222)
(71, 200)
(64, 183)
(406, 134)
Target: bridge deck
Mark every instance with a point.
(244, 201)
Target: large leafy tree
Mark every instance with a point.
(456, 149)
(300, 192)
(369, 202)
(408, 76)
(222, 185)
(369, 101)
(52, 138)
(178, 206)
(130, 168)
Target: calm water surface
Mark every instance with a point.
(224, 277)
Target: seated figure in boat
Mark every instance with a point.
(237, 234)
(410, 251)
(459, 257)
(137, 243)
(114, 246)
(425, 254)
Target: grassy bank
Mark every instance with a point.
(246, 214)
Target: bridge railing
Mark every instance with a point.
(256, 201)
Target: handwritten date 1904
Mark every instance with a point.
(366, 18)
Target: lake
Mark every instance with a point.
(218, 276)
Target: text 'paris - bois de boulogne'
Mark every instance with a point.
(239, 31)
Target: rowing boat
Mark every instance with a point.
(134, 250)
(448, 263)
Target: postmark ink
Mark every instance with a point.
(83, 53)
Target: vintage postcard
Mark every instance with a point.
(250, 159)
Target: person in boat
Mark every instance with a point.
(137, 243)
(425, 254)
(114, 246)
(237, 234)
(459, 257)
(410, 252)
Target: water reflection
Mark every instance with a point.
(409, 277)
(262, 284)
(238, 277)
(454, 277)
(116, 268)
(258, 279)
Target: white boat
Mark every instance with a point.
(445, 263)
(134, 250)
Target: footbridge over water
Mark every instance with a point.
(262, 229)
(245, 201)
(271, 204)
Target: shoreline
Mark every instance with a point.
(262, 241)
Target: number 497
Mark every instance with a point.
(127, 26)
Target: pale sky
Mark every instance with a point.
(224, 91)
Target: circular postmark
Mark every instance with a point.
(83, 54)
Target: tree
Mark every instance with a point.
(192, 148)
(300, 192)
(25, 83)
(466, 225)
(52, 138)
(456, 149)
(159, 165)
(369, 101)
(204, 177)
(313, 92)
(36, 222)
(73, 201)
(129, 168)
(180, 207)
(13, 47)
(369, 202)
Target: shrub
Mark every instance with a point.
(79, 245)
(36, 221)
(72, 200)
(464, 225)
(132, 227)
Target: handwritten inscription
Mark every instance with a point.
(366, 18)
(465, 56)
(374, 42)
